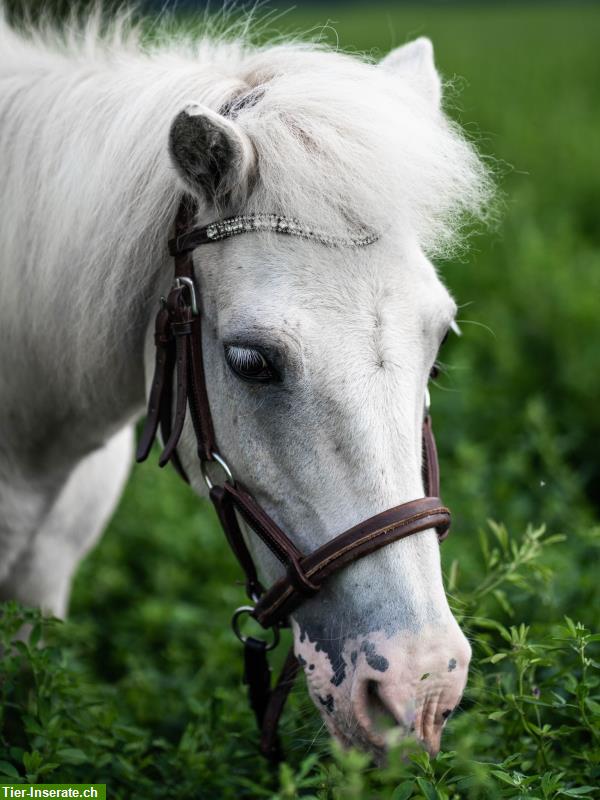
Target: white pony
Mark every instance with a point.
(90, 189)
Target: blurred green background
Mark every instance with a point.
(518, 427)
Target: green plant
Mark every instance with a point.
(529, 727)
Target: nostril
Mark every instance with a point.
(366, 708)
(382, 719)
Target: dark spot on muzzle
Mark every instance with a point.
(332, 646)
(451, 664)
(339, 674)
(301, 660)
(374, 660)
(327, 703)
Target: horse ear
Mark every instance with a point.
(415, 62)
(212, 155)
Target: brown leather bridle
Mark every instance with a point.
(178, 339)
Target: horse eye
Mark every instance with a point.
(249, 364)
(435, 370)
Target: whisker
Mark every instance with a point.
(479, 325)
(316, 736)
(444, 388)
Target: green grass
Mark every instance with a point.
(142, 687)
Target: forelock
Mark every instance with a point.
(343, 144)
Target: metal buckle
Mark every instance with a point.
(189, 283)
(224, 466)
(235, 625)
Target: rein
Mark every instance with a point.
(179, 365)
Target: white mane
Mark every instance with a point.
(86, 117)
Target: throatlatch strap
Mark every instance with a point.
(181, 326)
(166, 420)
(160, 382)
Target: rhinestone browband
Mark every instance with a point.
(234, 226)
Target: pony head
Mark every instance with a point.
(317, 357)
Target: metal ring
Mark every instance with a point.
(236, 627)
(224, 466)
(192, 290)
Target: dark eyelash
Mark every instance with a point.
(244, 357)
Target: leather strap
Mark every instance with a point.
(257, 677)
(270, 745)
(368, 536)
(178, 339)
(276, 540)
(431, 471)
(162, 378)
(224, 507)
(166, 419)
(180, 320)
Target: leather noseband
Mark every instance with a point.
(179, 366)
